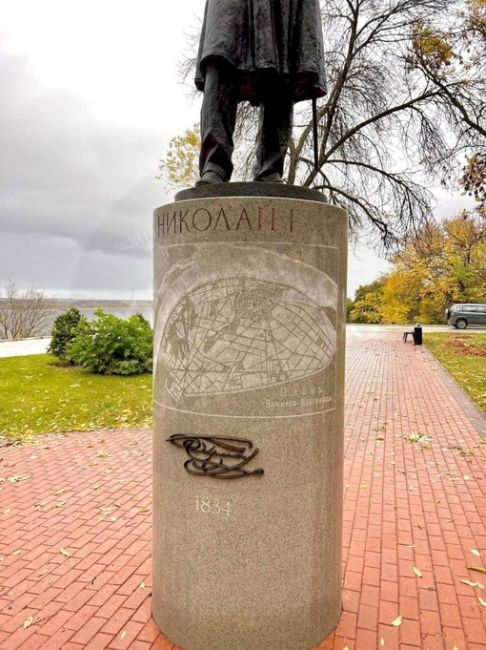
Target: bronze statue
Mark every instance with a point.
(268, 52)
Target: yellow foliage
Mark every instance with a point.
(475, 27)
(477, 8)
(368, 309)
(443, 264)
(474, 177)
(400, 294)
(179, 168)
(431, 46)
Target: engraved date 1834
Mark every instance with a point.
(208, 506)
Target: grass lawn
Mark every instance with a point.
(38, 396)
(464, 357)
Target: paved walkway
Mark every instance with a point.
(75, 536)
(40, 345)
(24, 347)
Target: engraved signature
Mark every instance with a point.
(217, 456)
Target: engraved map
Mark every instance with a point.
(236, 334)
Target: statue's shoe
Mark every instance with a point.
(209, 178)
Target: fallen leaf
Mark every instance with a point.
(103, 454)
(419, 437)
(17, 552)
(123, 634)
(475, 552)
(469, 583)
(397, 621)
(28, 622)
(18, 478)
(141, 585)
(382, 641)
(417, 572)
(363, 485)
(481, 601)
(480, 569)
(65, 553)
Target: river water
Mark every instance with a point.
(89, 313)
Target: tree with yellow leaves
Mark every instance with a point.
(444, 264)
(367, 304)
(179, 168)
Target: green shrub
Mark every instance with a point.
(112, 346)
(63, 332)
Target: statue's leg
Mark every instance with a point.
(218, 116)
(274, 131)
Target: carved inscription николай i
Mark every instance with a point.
(203, 220)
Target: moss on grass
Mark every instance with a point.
(36, 395)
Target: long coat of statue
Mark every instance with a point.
(265, 38)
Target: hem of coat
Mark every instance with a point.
(320, 88)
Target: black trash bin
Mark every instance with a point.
(417, 334)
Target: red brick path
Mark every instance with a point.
(407, 504)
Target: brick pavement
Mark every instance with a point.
(407, 504)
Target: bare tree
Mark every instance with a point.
(405, 109)
(403, 105)
(23, 313)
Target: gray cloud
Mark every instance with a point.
(71, 184)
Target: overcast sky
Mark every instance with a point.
(90, 98)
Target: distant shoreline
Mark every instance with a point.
(120, 308)
(67, 303)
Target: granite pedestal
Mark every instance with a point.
(250, 296)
